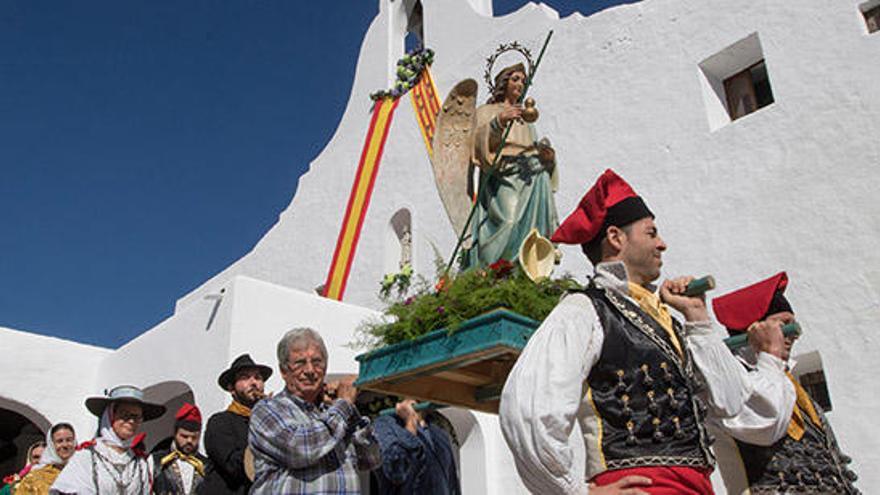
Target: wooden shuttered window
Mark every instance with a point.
(748, 91)
(872, 18)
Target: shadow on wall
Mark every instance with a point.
(20, 427)
(471, 451)
(172, 395)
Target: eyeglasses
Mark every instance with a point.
(317, 363)
(133, 417)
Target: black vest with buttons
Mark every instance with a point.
(167, 480)
(811, 465)
(644, 392)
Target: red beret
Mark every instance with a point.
(742, 307)
(188, 415)
(611, 201)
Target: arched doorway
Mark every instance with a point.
(471, 449)
(20, 427)
(172, 395)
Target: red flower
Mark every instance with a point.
(501, 268)
(441, 284)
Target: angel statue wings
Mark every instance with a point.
(518, 175)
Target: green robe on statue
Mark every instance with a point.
(517, 195)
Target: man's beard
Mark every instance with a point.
(186, 450)
(244, 399)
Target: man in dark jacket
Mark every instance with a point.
(417, 456)
(226, 436)
(179, 469)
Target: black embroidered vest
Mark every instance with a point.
(812, 465)
(167, 479)
(644, 392)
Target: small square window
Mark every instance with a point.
(748, 91)
(815, 385)
(810, 373)
(872, 15)
(735, 81)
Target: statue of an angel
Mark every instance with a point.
(517, 188)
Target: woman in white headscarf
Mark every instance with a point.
(60, 446)
(115, 462)
(31, 460)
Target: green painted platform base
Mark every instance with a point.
(465, 369)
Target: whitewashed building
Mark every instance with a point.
(646, 88)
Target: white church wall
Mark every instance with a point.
(263, 312)
(47, 379)
(787, 187)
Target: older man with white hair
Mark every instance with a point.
(310, 438)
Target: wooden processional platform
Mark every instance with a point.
(465, 368)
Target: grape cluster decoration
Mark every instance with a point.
(409, 70)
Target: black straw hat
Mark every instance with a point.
(243, 362)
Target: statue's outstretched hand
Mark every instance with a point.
(509, 113)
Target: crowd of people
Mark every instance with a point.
(649, 393)
(307, 438)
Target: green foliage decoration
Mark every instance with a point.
(459, 297)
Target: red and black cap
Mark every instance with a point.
(188, 417)
(739, 309)
(611, 201)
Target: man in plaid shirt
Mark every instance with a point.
(310, 438)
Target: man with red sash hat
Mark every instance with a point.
(180, 469)
(612, 357)
(804, 456)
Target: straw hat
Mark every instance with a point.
(537, 256)
(124, 393)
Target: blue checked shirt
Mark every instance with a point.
(303, 448)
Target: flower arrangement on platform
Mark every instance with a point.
(409, 70)
(457, 297)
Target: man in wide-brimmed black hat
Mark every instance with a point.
(226, 436)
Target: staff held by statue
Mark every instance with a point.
(527, 113)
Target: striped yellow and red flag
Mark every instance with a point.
(426, 105)
(359, 198)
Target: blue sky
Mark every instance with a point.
(146, 145)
